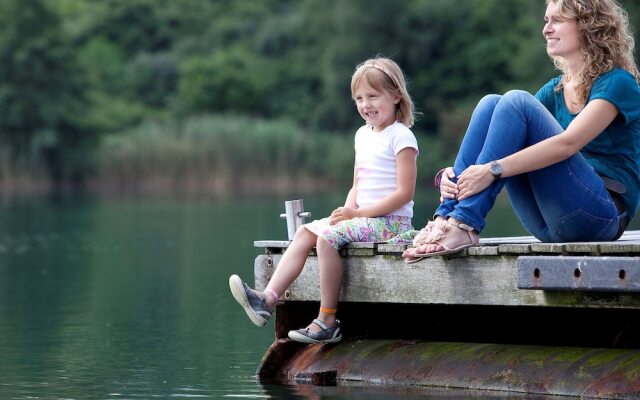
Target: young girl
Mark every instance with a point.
(378, 207)
(569, 157)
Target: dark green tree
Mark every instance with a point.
(42, 104)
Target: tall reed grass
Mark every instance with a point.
(223, 153)
(218, 154)
(23, 175)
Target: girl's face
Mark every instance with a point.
(562, 34)
(377, 108)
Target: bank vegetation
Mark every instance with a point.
(218, 95)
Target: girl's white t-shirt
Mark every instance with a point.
(376, 163)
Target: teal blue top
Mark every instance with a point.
(616, 151)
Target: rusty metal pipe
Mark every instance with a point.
(550, 370)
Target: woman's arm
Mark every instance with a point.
(406, 173)
(591, 121)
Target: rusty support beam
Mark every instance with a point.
(549, 370)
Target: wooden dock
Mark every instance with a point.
(511, 314)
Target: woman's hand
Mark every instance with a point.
(474, 180)
(448, 188)
(342, 214)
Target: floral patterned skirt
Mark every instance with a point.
(379, 229)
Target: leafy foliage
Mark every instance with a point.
(72, 70)
(42, 100)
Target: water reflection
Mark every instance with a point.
(358, 391)
(124, 298)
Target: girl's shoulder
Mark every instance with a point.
(363, 130)
(393, 130)
(400, 137)
(400, 128)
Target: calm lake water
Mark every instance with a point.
(127, 298)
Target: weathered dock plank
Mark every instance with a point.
(464, 280)
(481, 275)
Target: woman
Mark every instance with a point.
(569, 156)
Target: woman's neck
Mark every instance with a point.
(574, 67)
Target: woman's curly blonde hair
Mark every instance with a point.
(605, 37)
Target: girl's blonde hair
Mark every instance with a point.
(605, 37)
(384, 74)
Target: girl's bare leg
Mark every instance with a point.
(290, 264)
(330, 282)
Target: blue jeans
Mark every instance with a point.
(563, 202)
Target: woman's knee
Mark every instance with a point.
(485, 107)
(489, 100)
(517, 97)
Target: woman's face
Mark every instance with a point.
(562, 34)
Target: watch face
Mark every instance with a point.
(496, 169)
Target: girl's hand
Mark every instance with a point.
(448, 188)
(474, 180)
(342, 214)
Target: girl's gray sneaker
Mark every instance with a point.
(254, 305)
(325, 335)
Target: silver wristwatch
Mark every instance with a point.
(496, 169)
